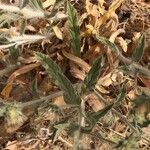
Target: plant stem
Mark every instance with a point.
(8, 69)
(40, 100)
(122, 117)
(97, 135)
(127, 61)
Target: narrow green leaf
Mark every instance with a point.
(2, 109)
(6, 17)
(141, 108)
(139, 51)
(22, 25)
(3, 18)
(35, 88)
(58, 130)
(36, 4)
(2, 23)
(54, 9)
(102, 112)
(129, 70)
(92, 76)
(23, 3)
(72, 128)
(74, 29)
(3, 40)
(70, 96)
(121, 95)
(129, 143)
(57, 1)
(14, 53)
(48, 64)
(108, 43)
(141, 99)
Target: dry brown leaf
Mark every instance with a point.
(46, 85)
(32, 146)
(94, 51)
(101, 2)
(92, 11)
(30, 28)
(76, 72)
(123, 43)
(12, 126)
(146, 131)
(59, 101)
(48, 3)
(57, 32)
(109, 52)
(85, 66)
(27, 61)
(109, 13)
(1, 55)
(115, 34)
(109, 27)
(14, 145)
(146, 81)
(95, 104)
(106, 81)
(82, 18)
(131, 94)
(7, 89)
(114, 77)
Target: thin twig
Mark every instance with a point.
(116, 132)
(82, 106)
(97, 135)
(63, 140)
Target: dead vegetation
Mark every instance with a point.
(74, 74)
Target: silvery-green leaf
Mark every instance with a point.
(141, 108)
(23, 3)
(14, 53)
(108, 43)
(59, 128)
(92, 76)
(128, 143)
(70, 96)
(121, 96)
(48, 64)
(7, 18)
(139, 51)
(74, 29)
(54, 9)
(3, 40)
(36, 4)
(22, 25)
(99, 114)
(34, 88)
